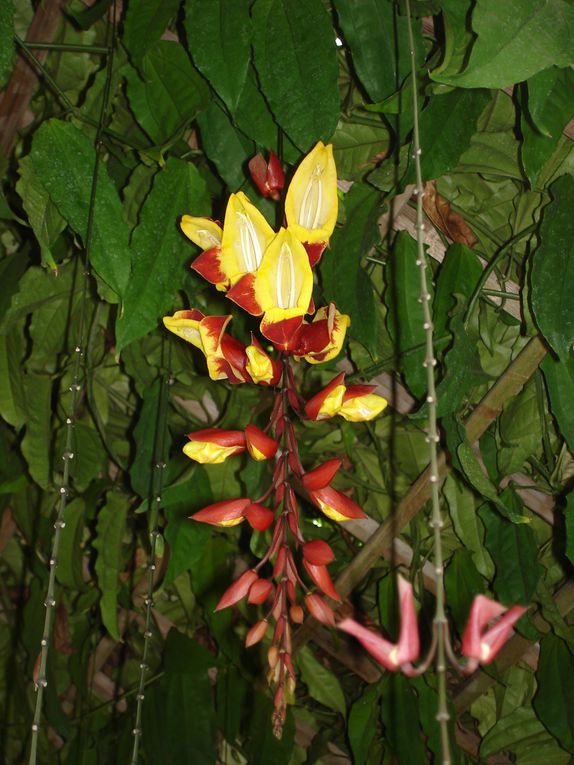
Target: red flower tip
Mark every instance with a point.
(322, 399)
(238, 590)
(258, 516)
(260, 590)
(336, 506)
(321, 476)
(227, 513)
(318, 552)
(319, 609)
(391, 655)
(259, 445)
(320, 576)
(268, 176)
(481, 642)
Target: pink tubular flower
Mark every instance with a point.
(214, 445)
(238, 590)
(259, 445)
(391, 655)
(480, 642)
(268, 176)
(227, 513)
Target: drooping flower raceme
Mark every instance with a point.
(270, 275)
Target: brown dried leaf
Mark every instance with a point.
(451, 223)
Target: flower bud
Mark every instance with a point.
(258, 516)
(259, 445)
(318, 552)
(256, 633)
(296, 613)
(319, 609)
(226, 513)
(238, 590)
(260, 590)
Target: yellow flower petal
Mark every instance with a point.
(332, 403)
(331, 513)
(311, 203)
(203, 232)
(258, 365)
(187, 329)
(208, 453)
(362, 408)
(284, 279)
(246, 235)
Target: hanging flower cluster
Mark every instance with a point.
(270, 275)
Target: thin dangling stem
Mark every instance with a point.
(155, 500)
(440, 624)
(75, 389)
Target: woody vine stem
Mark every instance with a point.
(439, 622)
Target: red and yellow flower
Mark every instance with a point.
(355, 403)
(213, 446)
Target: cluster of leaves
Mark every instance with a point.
(197, 88)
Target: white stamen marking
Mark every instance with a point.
(285, 279)
(249, 243)
(310, 211)
(207, 238)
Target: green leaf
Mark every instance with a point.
(145, 22)
(569, 524)
(253, 117)
(261, 745)
(361, 728)
(446, 127)
(219, 36)
(12, 398)
(400, 716)
(405, 315)
(37, 441)
(378, 38)
(554, 700)
(70, 554)
(553, 269)
(462, 370)
(64, 158)
(519, 726)
(344, 280)
(514, 549)
(145, 435)
(544, 28)
(110, 530)
(6, 39)
(224, 146)
(559, 377)
(169, 92)
(467, 524)
(322, 684)
(296, 59)
(520, 429)
(46, 221)
(458, 275)
(462, 582)
(359, 148)
(160, 252)
(549, 109)
(458, 37)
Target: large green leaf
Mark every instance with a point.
(446, 127)
(65, 159)
(467, 524)
(145, 23)
(400, 716)
(520, 429)
(559, 377)
(405, 315)
(146, 433)
(358, 148)
(544, 28)
(378, 38)
(296, 59)
(514, 549)
(224, 146)
(569, 524)
(70, 554)
(344, 279)
(160, 251)
(110, 530)
(12, 398)
(553, 269)
(6, 39)
(219, 37)
(322, 684)
(522, 724)
(37, 441)
(550, 107)
(554, 700)
(462, 583)
(262, 746)
(361, 727)
(167, 93)
(458, 275)
(46, 221)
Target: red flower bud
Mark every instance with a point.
(327, 402)
(318, 552)
(320, 576)
(238, 590)
(268, 176)
(321, 476)
(481, 642)
(258, 516)
(279, 566)
(260, 590)
(335, 505)
(319, 609)
(296, 613)
(227, 513)
(256, 633)
(259, 445)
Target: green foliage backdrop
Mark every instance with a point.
(196, 88)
